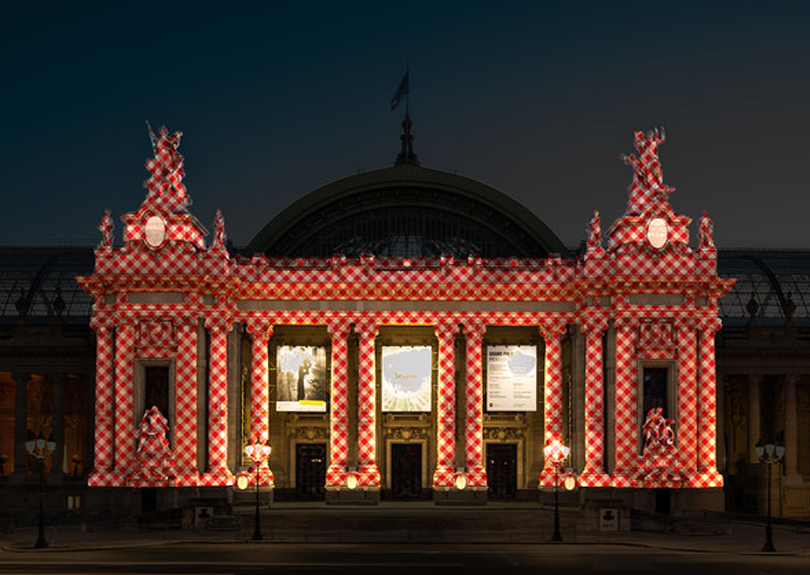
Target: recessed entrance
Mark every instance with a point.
(502, 470)
(310, 470)
(406, 470)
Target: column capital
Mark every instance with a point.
(446, 328)
(755, 378)
(101, 325)
(792, 378)
(220, 323)
(593, 322)
(260, 329)
(474, 328)
(554, 329)
(710, 324)
(366, 327)
(626, 322)
(339, 327)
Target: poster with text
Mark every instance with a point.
(511, 378)
(302, 379)
(406, 378)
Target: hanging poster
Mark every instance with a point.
(511, 378)
(406, 378)
(302, 380)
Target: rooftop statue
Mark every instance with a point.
(647, 188)
(166, 184)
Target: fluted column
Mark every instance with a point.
(260, 391)
(626, 398)
(708, 475)
(125, 418)
(185, 411)
(446, 406)
(552, 393)
(754, 416)
(339, 406)
(217, 472)
(474, 400)
(20, 423)
(792, 442)
(687, 435)
(368, 472)
(593, 474)
(103, 456)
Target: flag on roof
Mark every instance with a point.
(401, 91)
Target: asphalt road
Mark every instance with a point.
(414, 559)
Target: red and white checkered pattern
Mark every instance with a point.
(444, 474)
(368, 472)
(626, 419)
(708, 474)
(629, 266)
(339, 405)
(593, 475)
(125, 420)
(105, 402)
(260, 389)
(185, 413)
(217, 473)
(474, 428)
(553, 333)
(687, 400)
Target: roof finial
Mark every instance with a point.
(406, 154)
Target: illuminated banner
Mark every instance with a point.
(511, 378)
(302, 381)
(406, 378)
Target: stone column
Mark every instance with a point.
(708, 475)
(687, 435)
(792, 443)
(57, 381)
(552, 393)
(474, 423)
(754, 416)
(626, 400)
(444, 474)
(368, 473)
(185, 411)
(218, 473)
(260, 392)
(124, 414)
(20, 424)
(339, 404)
(593, 474)
(104, 432)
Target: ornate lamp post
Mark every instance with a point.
(41, 449)
(556, 452)
(258, 452)
(769, 454)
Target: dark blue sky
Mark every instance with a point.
(276, 99)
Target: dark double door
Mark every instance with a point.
(406, 470)
(502, 470)
(310, 470)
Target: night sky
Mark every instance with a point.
(276, 99)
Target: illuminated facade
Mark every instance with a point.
(421, 368)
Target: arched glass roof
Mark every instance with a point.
(36, 279)
(406, 210)
(772, 285)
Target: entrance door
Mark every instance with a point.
(406, 470)
(502, 470)
(310, 470)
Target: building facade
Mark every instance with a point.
(405, 333)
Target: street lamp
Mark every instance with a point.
(556, 452)
(258, 452)
(769, 454)
(41, 449)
